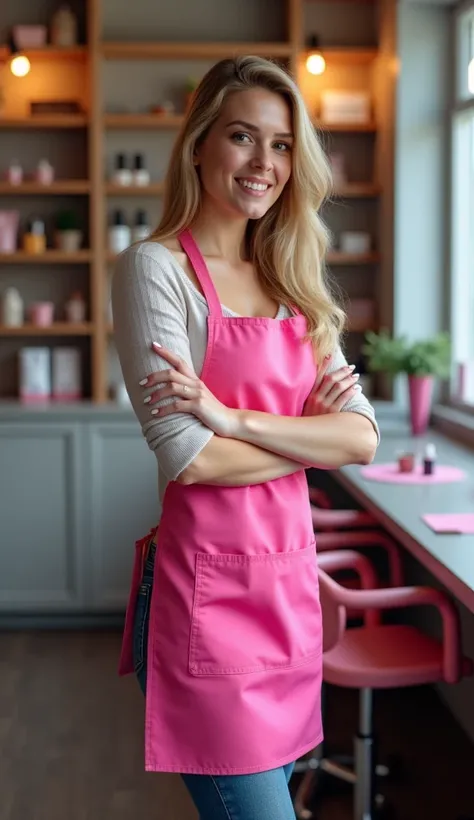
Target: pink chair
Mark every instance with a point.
(327, 519)
(377, 656)
(330, 541)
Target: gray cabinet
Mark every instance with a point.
(124, 505)
(75, 494)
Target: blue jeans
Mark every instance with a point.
(261, 796)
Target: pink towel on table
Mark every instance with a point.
(458, 523)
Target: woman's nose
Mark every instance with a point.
(262, 159)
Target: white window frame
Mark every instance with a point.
(462, 233)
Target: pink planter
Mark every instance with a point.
(420, 389)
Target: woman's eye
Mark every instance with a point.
(282, 146)
(239, 137)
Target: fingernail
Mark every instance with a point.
(352, 367)
(146, 400)
(155, 412)
(143, 382)
(355, 375)
(155, 344)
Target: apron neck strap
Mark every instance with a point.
(200, 269)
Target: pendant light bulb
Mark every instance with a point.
(20, 66)
(315, 62)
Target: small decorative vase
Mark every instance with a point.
(68, 241)
(420, 390)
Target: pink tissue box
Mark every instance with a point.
(29, 36)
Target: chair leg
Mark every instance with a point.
(364, 759)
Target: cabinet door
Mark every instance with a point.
(124, 504)
(41, 517)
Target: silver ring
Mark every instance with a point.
(185, 388)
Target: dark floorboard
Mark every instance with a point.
(71, 741)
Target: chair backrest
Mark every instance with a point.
(334, 614)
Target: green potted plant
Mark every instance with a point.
(68, 234)
(422, 361)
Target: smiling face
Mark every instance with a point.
(245, 160)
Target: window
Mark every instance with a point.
(462, 294)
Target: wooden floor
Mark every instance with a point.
(71, 741)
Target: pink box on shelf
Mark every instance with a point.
(66, 369)
(30, 36)
(35, 374)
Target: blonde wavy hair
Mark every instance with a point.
(289, 243)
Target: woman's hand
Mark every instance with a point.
(190, 395)
(331, 391)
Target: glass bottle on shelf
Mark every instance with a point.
(13, 309)
(141, 176)
(121, 175)
(119, 233)
(64, 27)
(141, 229)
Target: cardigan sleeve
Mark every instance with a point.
(148, 306)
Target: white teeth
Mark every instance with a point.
(255, 186)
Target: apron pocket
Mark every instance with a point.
(255, 612)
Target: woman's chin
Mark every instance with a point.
(253, 210)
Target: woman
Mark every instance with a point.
(228, 341)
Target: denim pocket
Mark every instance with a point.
(140, 628)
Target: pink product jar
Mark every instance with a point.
(42, 314)
(9, 222)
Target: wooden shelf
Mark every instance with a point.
(154, 189)
(45, 121)
(49, 257)
(95, 127)
(354, 326)
(190, 50)
(56, 329)
(76, 54)
(338, 258)
(348, 56)
(59, 186)
(347, 127)
(137, 121)
(357, 190)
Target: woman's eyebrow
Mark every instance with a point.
(250, 127)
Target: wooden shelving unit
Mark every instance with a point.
(49, 121)
(347, 64)
(137, 122)
(350, 259)
(191, 51)
(49, 257)
(56, 329)
(154, 189)
(61, 187)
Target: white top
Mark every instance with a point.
(153, 300)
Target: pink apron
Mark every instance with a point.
(235, 632)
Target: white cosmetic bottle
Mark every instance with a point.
(140, 174)
(121, 174)
(119, 233)
(141, 229)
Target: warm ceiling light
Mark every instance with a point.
(315, 62)
(470, 77)
(20, 66)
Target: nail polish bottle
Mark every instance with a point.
(429, 459)
(121, 174)
(141, 175)
(141, 229)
